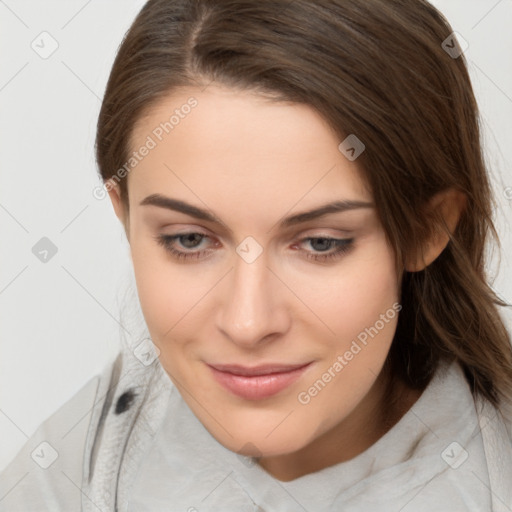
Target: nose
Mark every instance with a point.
(253, 307)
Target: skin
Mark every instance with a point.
(251, 162)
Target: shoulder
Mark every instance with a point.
(496, 430)
(86, 454)
(47, 472)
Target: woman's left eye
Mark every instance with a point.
(327, 248)
(332, 247)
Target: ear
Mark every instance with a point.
(120, 210)
(446, 208)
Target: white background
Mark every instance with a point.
(60, 320)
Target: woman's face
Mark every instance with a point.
(232, 271)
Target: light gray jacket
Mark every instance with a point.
(85, 456)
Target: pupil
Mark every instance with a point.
(322, 246)
(193, 237)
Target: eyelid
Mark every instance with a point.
(287, 232)
(178, 228)
(301, 234)
(182, 227)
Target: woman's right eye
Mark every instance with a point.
(189, 240)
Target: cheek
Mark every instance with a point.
(372, 292)
(173, 298)
(363, 313)
(356, 295)
(161, 288)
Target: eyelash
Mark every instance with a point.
(343, 246)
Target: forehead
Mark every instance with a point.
(240, 147)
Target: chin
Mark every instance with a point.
(261, 442)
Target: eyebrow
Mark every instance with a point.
(298, 218)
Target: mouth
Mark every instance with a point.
(257, 383)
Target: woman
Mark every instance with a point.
(303, 190)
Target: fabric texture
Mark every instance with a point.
(128, 442)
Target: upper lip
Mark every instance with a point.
(264, 369)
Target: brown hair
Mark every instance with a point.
(374, 68)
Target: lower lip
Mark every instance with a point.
(258, 387)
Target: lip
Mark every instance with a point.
(259, 382)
